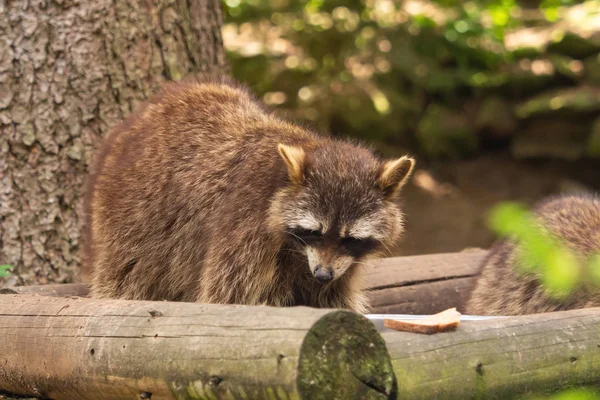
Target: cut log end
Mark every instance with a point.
(343, 356)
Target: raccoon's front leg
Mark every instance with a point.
(345, 294)
(355, 301)
(358, 302)
(233, 292)
(234, 279)
(352, 291)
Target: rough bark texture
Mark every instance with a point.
(68, 72)
(110, 349)
(499, 359)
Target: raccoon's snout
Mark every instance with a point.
(323, 275)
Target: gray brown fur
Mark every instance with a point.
(192, 198)
(502, 290)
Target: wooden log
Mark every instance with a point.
(55, 290)
(501, 358)
(424, 284)
(74, 348)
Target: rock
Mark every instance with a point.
(520, 79)
(496, 117)
(551, 138)
(445, 133)
(423, 71)
(577, 100)
(574, 45)
(576, 33)
(592, 147)
(591, 68)
(523, 147)
(567, 66)
(567, 185)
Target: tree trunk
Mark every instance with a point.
(109, 349)
(69, 71)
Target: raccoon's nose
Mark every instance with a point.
(323, 275)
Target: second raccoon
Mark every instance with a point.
(203, 195)
(503, 290)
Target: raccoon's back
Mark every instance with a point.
(574, 219)
(167, 180)
(500, 288)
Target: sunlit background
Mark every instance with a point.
(499, 100)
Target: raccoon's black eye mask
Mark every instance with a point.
(306, 236)
(356, 247)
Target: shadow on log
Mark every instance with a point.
(69, 348)
(424, 284)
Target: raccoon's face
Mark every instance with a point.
(339, 208)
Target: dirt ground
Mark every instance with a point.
(446, 204)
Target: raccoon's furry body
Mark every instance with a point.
(203, 195)
(502, 289)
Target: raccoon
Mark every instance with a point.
(502, 290)
(204, 195)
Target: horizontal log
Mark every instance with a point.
(424, 284)
(499, 358)
(75, 348)
(54, 290)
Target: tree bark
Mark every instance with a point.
(109, 349)
(69, 71)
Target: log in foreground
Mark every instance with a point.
(501, 358)
(73, 348)
(425, 284)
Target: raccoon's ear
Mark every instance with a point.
(294, 158)
(394, 174)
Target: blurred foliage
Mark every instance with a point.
(572, 394)
(398, 73)
(559, 270)
(5, 270)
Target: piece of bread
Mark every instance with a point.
(441, 322)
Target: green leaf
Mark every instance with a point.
(594, 269)
(507, 218)
(539, 253)
(4, 270)
(562, 274)
(574, 394)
